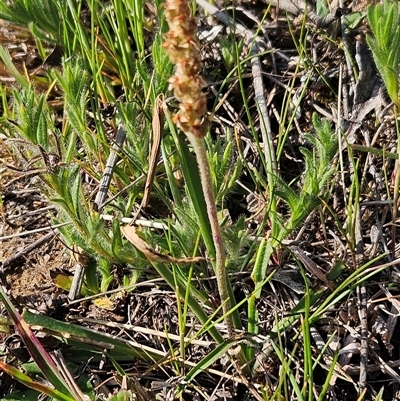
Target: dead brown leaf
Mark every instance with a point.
(153, 256)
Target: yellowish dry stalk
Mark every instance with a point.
(183, 49)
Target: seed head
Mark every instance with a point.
(183, 49)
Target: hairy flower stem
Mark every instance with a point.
(183, 49)
(206, 183)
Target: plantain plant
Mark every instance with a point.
(318, 169)
(384, 20)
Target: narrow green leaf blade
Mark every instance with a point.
(28, 382)
(35, 348)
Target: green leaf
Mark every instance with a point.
(335, 272)
(195, 192)
(122, 395)
(36, 350)
(263, 256)
(227, 52)
(285, 192)
(352, 20)
(6, 58)
(104, 268)
(28, 382)
(322, 8)
(96, 339)
(117, 243)
(384, 20)
(42, 132)
(91, 277)
(208, 360)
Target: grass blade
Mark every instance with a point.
(35, 348)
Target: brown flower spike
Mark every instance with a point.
(183, 49)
